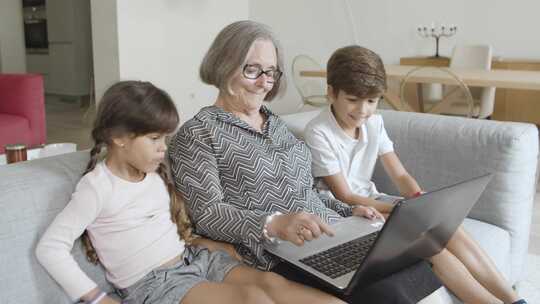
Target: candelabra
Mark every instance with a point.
(436, 32)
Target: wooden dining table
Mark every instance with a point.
(505, 79)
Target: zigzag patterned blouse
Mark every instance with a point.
(233, 176)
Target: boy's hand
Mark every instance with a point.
(367, 212)
(215, 245)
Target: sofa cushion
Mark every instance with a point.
(31, 194)
(14, 129)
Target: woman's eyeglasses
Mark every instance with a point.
(254, 71)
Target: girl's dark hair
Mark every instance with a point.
(357, 71)
(136, 108)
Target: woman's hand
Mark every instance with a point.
(298, 227)
(367, 212)
(215, 245)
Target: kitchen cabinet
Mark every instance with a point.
(70, 47)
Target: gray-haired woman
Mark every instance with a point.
(247, 180)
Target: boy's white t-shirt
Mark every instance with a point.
(333, 151)
(129, 224)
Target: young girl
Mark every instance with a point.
(347, 138)
(131, 217)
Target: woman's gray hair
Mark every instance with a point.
(228, 53)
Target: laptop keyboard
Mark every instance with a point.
(341, 259)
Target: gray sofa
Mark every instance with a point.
(437, 150)
(31, 194)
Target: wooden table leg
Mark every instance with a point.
(419, 98)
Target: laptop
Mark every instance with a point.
(363, 251)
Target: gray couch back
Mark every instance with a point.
(31, 194)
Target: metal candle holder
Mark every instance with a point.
(436, 32)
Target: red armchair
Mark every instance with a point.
(22, 110)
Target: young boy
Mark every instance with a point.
(345, 141)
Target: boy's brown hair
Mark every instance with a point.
(357, 71)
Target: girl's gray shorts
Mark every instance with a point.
(169, 285)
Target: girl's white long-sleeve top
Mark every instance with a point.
(128, 223)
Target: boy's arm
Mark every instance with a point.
(407, 185)
(339, 187)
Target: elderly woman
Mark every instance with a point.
(246, 178)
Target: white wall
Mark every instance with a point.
(162, 42)
(104, 44)
(12, 50)
(318, 27)
(165, 41)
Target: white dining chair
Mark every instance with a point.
(469, 56)
(312, 90)
(458, 88)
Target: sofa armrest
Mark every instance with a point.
(440, 150)
(32, 193)
(23, 95)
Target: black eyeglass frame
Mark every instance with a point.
(277, 73)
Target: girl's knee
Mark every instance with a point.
(271, 280)
(254, 294)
